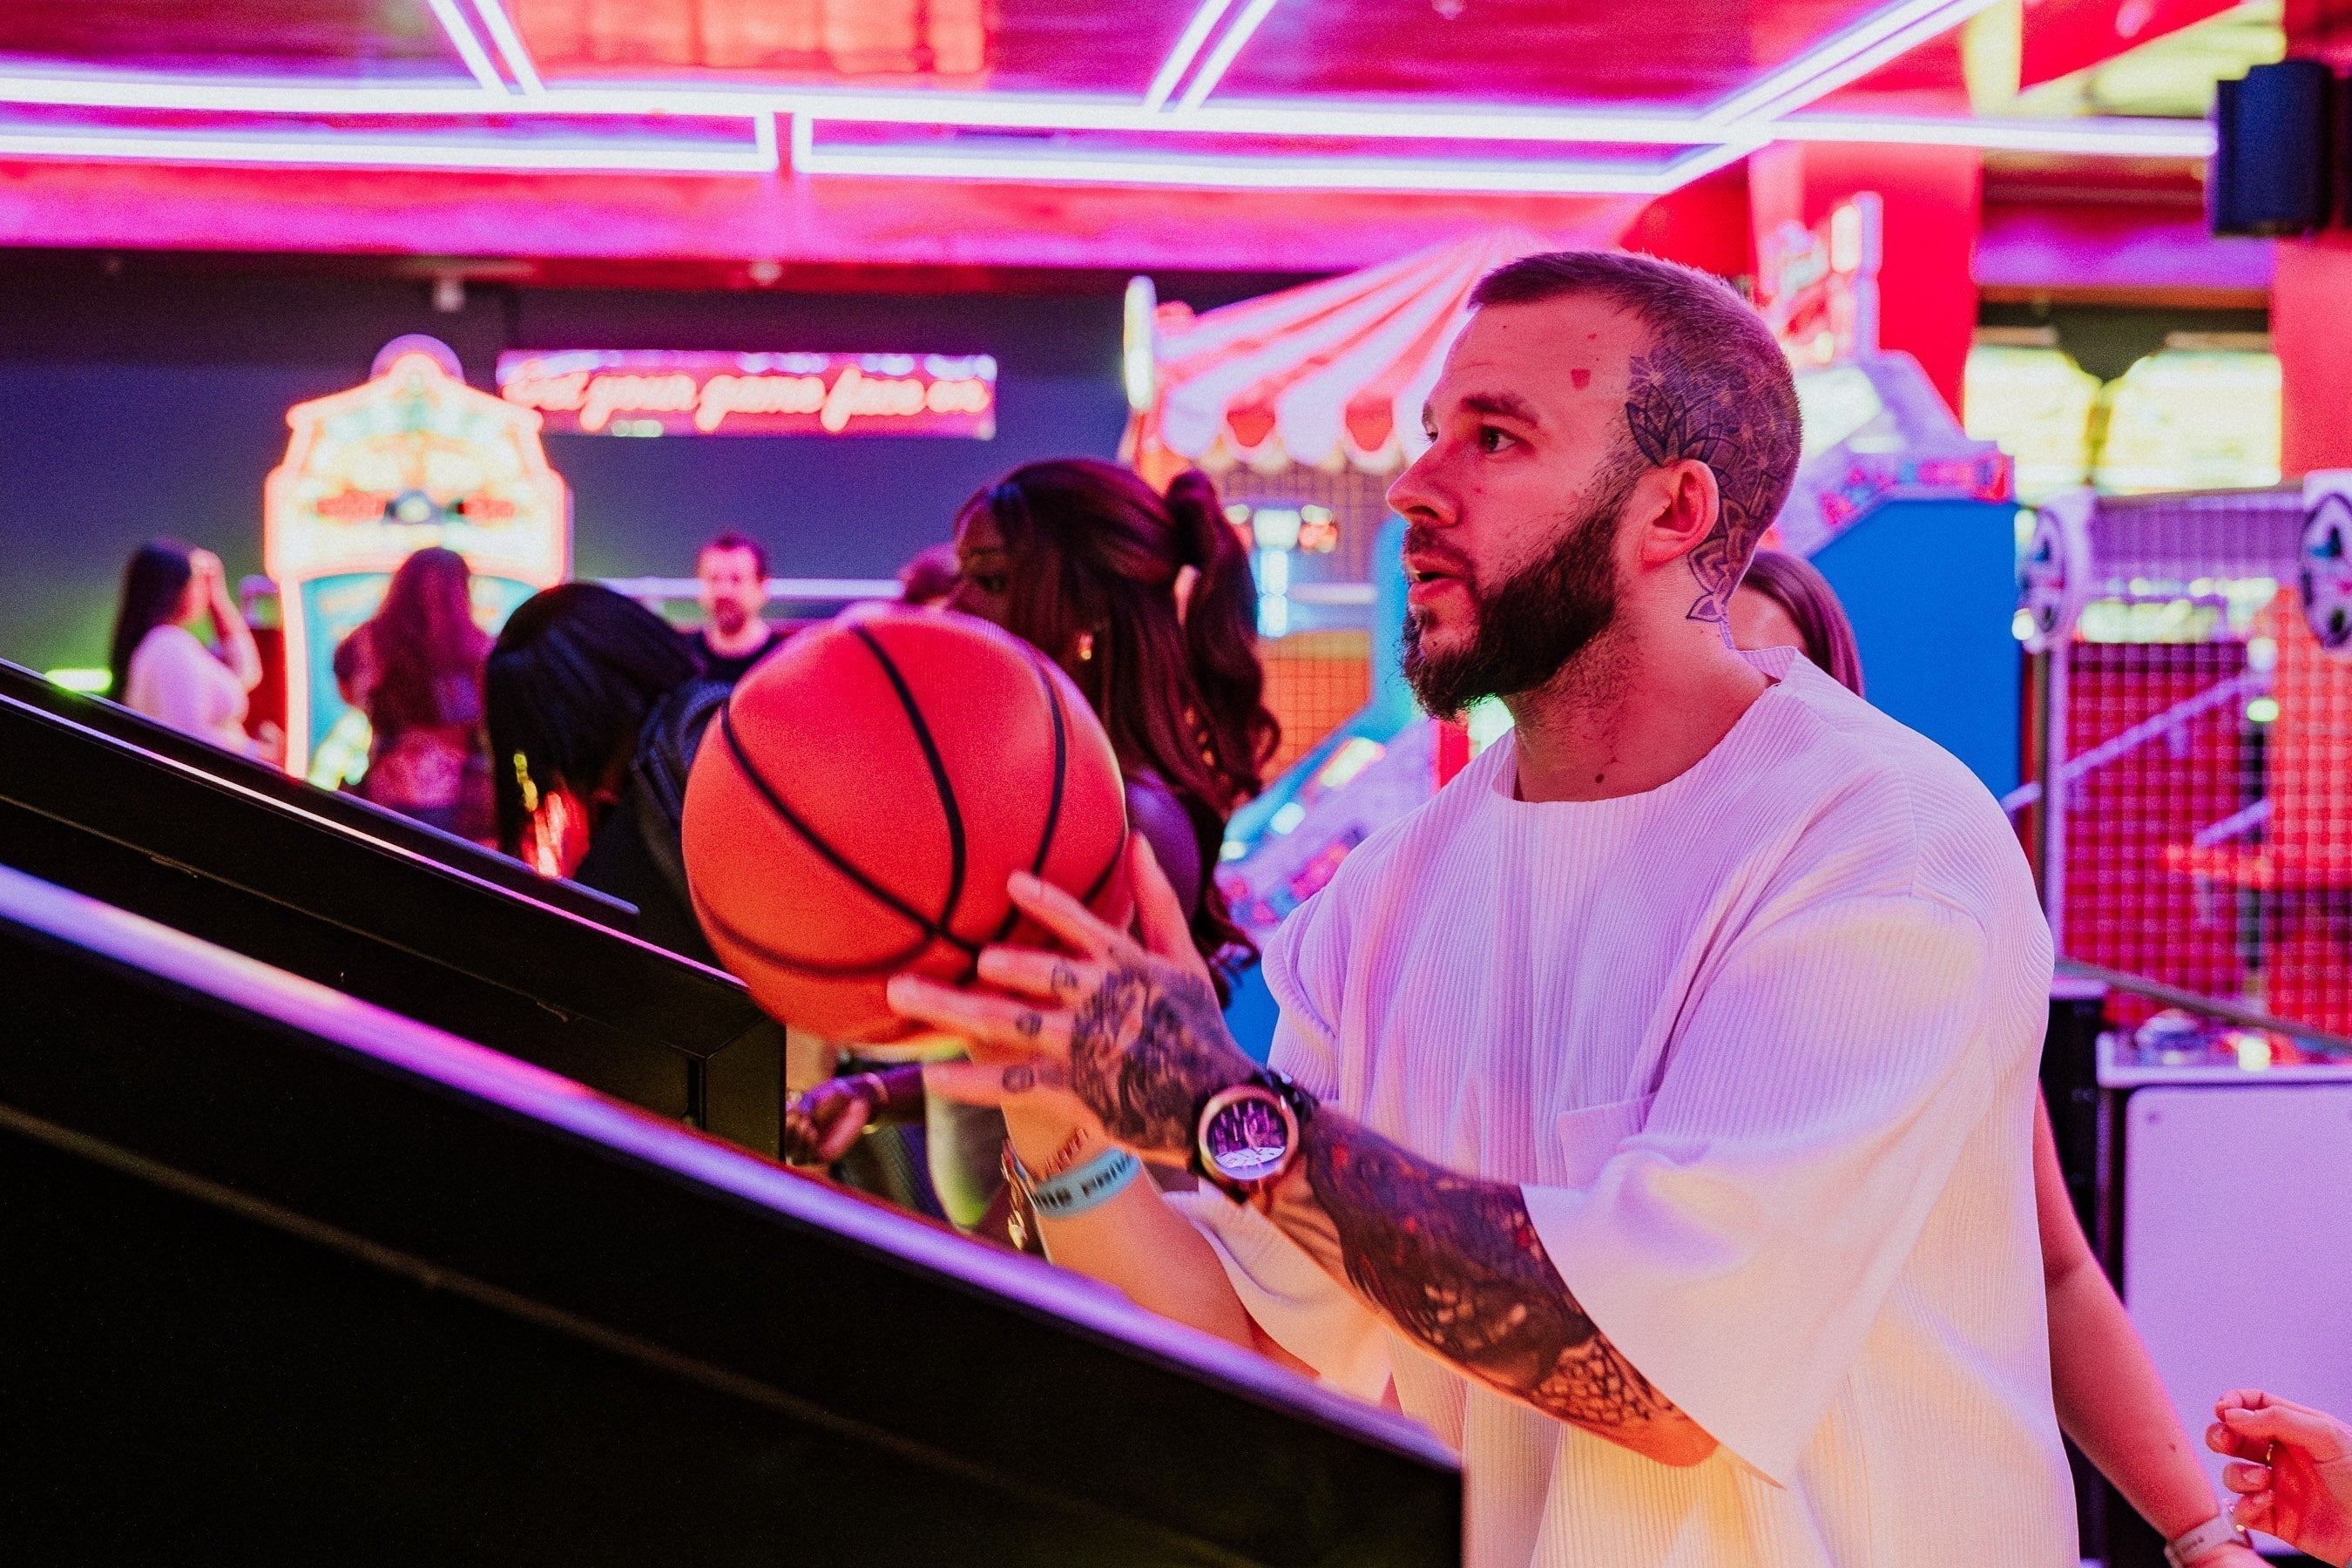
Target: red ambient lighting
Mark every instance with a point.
(627, 391)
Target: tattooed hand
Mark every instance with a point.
(1131, 1029)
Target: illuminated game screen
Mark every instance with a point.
(2037, 404)
(412, 458)
(333, 607)
(2193, 420)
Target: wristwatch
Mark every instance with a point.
(1246, 1137)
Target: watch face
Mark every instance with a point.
(1249, 1138)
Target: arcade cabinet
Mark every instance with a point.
(411, 457)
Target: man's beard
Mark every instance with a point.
(729, 617)
(1528, 627)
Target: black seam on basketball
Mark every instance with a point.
(939, 780)
(833, 857)
(877, 969)
(1094, 889)
(1126, 828)
(1054, 802)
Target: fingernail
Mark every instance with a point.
(2236, 1414)
(902, 988)
(1024, 883)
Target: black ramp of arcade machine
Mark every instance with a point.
(349, 810)
(285, 1267)
(205, 854)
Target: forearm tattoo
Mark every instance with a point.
(1456, 1264)
(1726, 416)
(1146, 1048)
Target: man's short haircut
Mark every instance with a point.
(1711, 384)
(730, 540)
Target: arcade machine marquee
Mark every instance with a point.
(410, 458)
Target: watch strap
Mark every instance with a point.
(1303, 1105)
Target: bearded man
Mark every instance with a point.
(1655, 1105)
(733, 571)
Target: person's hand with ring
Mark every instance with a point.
(2292, 1469)
(1127, 1029)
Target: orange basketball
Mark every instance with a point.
(856, 807)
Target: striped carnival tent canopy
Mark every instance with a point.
(1325, 375)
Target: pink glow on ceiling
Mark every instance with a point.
(1133, 124)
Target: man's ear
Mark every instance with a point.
(1679, 506)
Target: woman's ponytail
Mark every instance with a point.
(1220, 635)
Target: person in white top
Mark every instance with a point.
(161, 669)
(1664, 1105)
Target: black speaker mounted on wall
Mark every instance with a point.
(2275, 152)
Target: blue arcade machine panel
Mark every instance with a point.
(1915, 525)
(1929, 586)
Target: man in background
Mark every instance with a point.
(734, 574)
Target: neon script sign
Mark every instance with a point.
(628, 392)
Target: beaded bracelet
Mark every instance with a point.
(1073, 1192)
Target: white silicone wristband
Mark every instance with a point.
(2189, 1545)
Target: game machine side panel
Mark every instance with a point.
(412, 458)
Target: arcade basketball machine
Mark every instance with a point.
(411, 457)
(2191, 814)
(2193, 802)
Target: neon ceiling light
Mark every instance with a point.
(1221, 57)
(1727, 130)
(2118, 137)
(975, 110)
(1854, 53)
(2102, 138)
(1152, 167)
(511, 46)
(1188, 48)
(249, 95)
(234, 96)
(377, 150)
(2126, 137)
(1850, 55)
(1249, 117)
(469, 47)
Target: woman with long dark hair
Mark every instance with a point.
(1148, 603)
(415, 670)
(159, 665)
(594, 699)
